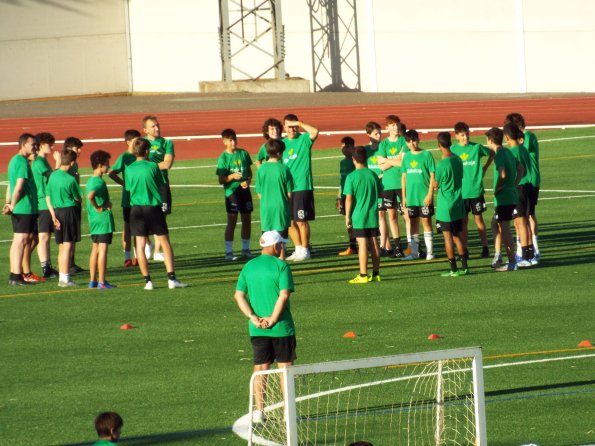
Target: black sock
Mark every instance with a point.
(453, 265)
(171, 276)
(147, 278)
(531, 251)
(363, 275)
(525, 252)
(375, 273)
(353, 243)
(464, 261)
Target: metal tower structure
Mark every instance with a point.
(335, 52)
(247, 29)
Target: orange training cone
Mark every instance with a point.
(433, 337)
(350, 334)
(585, 343)
(126, 327)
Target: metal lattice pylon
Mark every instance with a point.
(335, 52)
(248, 29)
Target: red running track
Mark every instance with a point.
(422, 115)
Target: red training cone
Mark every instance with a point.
(433, 337)
(126, 327)
(350, 334)
(585, 343)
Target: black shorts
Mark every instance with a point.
(390, 198)
(525, 192)
(102, 238)
(505, 212)
(454, 227)
(23, 223)
(147, 220)
(45, 223)
(165, 192)
(366, 232)
(476, 206)
(70, 225)
(240, 201)
(266, 349)
(302, 204)
(126, 215)
(421, 211)
(342, 205)
(533, 199)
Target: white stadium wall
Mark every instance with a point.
(62, 48)
(68, 47)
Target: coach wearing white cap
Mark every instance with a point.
(262, 293)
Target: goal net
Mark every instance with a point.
(431, 398)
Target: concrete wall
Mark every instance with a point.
(69, 47)
(62, 48)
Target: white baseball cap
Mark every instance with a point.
(270, 238)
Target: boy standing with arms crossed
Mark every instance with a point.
(101, 220)
(235, 175)
(362, 191)
(473, 172)
(450, 209)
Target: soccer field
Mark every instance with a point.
(181, 375)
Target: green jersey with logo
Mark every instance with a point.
(41, 174)
(19, 168)
(159, 148)
(449, 176)
(471, 155)
(522, 156)
(237, 161)
(532, 146)
(417, 167)
(262, 154)
(364, 186)
(262, 279)
(391, 177)
(298, 158)
(508, 195)
(119, 167)
(346, 166)
(99, 222)
(372, 158)
(143, 180)
(63, 190)
(273, 183)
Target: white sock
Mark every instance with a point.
(415, 245)
(429, 240)
(535, 246)
(228, 246)
(245, 245)
(64, 277)
(127, 255)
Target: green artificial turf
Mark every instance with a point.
(181, 375)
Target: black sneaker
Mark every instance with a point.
(49, 273)
(421, 254)
(383, 252)
(17, 282)
(397, 253)
(485, 252)
(74, 269)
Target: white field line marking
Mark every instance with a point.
(327, 133)
(215, 225)
(241, 428)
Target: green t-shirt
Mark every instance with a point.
(237, 161)
(119, 167)
(41, 173)
(346, 166)
(471, 155)
(262, 154)
(159, 148)
(522, 156)
(298, 157)
(63, 190)
(19, 168)
(262, 279)
(417, 167)
(449, 176)
(372, 158)
(532, 146)
(364, 186)
(143, 180)
(99, 222)
(273, 183)
(391, 177)
(508, 195)
(104, 443)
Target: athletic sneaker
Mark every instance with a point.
(135, 261)
(175, 284)
(32, 278)
(430, 256)
(464, 272)
(63, 284)
(451, 274)
(106, 286)
(348, 252)
(524, 264)
(92, 284)
(506, 267)
(307, 255)
(127, 263)
(410, 257)
(149, 286)
(421, 254)
(373, 278)
(246, 254)
(230, 256)
(497, 261)
(258, 417)
(292, 256)
(397, 253)
(158, 257)
(75, 269)
(49, 273)
(485, 252)
(534, 261)
(17, 282)
(359, 280)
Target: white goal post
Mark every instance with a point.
(433, 398)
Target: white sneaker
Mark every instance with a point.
(148, 286)
(148, 250)
(63, 284)
(159, 257)
(430, 256)
(534, 261)
(292, 256)
(306, 254)
(175, 284)
(524, 264)
(258, 417)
